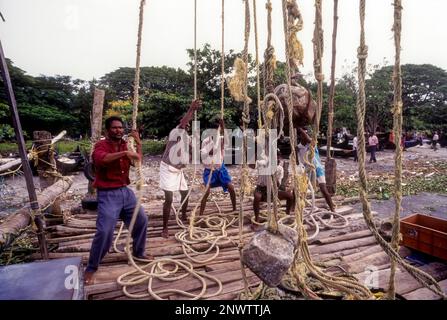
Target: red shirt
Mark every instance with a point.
(114, 174)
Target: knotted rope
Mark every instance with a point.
(330, 120)
(362, 53)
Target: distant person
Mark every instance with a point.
(373, 143)
(303, 148)
(435, 140)
(172, 177)
(355, 148)
(214, 162)
(112, 161)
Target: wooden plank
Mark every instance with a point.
(349, 236)
(343, 245)
(405, 283)
(426, 294)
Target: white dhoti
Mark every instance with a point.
(171, 178)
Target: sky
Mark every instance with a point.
(89, 38)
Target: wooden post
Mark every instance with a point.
(46, 162)
(96, 125)
(96, 122)
(23, 154)
(46, 165)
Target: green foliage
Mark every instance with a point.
(153, 147)
(161, 112)
(38, 117)
(6, 132)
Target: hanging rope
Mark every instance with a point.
(330, 115)
(397, 129)
(269, 54)
(319, 76)
(362, 53)
(298, 196)
(258, 82)
(222, 54)
(295, 24)
(131, 143)
(300, 185)
(195, 55)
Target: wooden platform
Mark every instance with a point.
(352, 248)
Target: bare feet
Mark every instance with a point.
(89, 278)
(165, 233)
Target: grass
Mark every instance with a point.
(7, 148)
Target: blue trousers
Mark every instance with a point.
(220, 178)
(114, 204)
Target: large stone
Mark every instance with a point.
(270, 255)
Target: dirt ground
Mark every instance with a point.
(417, 160)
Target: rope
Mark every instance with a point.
(319, 76)
(362, 53)
(131, 143)
(330, 120)
(300, 183)
(298, 203)
(258, 83)
(157, 268)
(397, 130)
(269, 54)
(246, 120)
(195, 55)
(222, 77)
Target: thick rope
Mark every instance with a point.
(258, 82)
(397, 129)
(222, 66)
(319, 76)
(131, 145)
(245, 121)
(330, 120)
(300, 183)
(362, 53)
(269, 54)
(298, 196)
(195, 55)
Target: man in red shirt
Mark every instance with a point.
(112, 162)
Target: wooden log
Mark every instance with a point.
(96, 119)
(343, 245)
(376, 259)
(405, 283)
(340, 254)
(232, 290)
(349, 236)
(426, 294)
(352, 258)
(14, 225)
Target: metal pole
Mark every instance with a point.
(23, 154)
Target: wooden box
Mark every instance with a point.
(425, 234)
